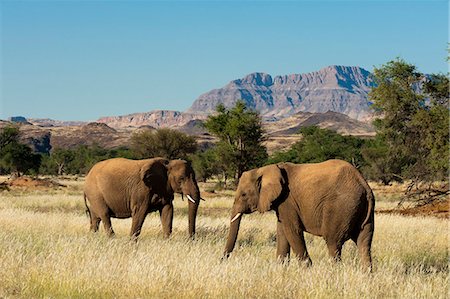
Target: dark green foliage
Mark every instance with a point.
(8, 135)
(166, 143)
(413, 123)
(206, 164)
(318, 145)
(240, 136)
(16, 157)
(377, 162)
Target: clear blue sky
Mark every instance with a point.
(79, 60)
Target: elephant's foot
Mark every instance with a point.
(283, 259)
(308, 263)
(305, 262)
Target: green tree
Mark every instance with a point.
(412, 122)
(16, 157)
(396, 102)
(240, 136)
(58, 162)
(430, 125)
(167, 143)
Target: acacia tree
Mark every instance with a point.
(412, 124)
(240, 136)
(166, 143)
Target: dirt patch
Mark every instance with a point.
(437, 208)
(33, 183)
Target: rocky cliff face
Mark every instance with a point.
(156, 119)
(335, 88)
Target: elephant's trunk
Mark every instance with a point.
(232, 234)
(193, 207)
(193, 202)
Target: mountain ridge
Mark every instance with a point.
(342, 89)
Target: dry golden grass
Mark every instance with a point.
(47, 251)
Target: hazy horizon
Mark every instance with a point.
(83, 60)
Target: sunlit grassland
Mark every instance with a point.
(47, 251)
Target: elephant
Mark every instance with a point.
(123, 188)
(330, 199)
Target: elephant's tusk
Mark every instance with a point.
(190, 198)
(236, 217)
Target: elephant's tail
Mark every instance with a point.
(371, 205)
(88, 212)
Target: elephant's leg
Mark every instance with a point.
(283, 247)
(95, 221)
(364, 243)
(334, 230)
(100, 212)
(166, 214)
(138, 217)
(297, 241)
(334, 249)
(106, 219)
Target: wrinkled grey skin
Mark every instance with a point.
(329, 199)
(123, 188)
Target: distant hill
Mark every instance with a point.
(155, 118)
(338, 122)
(342, 89)
(43, 139)
(48, 122)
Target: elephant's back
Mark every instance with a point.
(328, 166)
(330, 171)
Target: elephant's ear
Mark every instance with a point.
(270, 184)
(154, 174)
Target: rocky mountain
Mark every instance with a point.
(155, 118)
(340, 89)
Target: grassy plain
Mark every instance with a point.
(47, 251)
